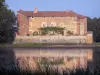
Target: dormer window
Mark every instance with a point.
(62, 23)
(53, 17)
(61, 17)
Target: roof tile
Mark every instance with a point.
(51, 14)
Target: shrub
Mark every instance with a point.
(35, 33)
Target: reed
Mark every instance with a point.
(24, 67)
(46, 70)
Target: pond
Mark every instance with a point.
(56, 57)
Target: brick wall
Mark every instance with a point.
(29, 25)
(70, 23)
(23, 24)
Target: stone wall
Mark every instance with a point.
(51, 39)
(56, 39)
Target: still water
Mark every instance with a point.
(58, 57)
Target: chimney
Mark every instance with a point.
(21, 10)
(35, 10)
(67, 10)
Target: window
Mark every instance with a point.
(62, 17)
(61, 25)
(30, 31)
(53, 17)
(30, 18)
(44, 24)
(53, 24)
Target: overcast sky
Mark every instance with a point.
(89, 8)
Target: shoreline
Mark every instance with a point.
(51, 46)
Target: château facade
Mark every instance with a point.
(30, 22)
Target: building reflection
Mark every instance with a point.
(64, 58)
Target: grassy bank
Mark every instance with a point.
(97, 43)
(43, 44)
(23, 45)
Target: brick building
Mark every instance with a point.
(30, 22)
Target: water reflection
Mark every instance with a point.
(62, 58)
(7, 58)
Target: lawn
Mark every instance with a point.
(23, 45)
(41, 44)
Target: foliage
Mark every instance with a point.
(48, 70)
(28, 34)
(46, 61)
(35, 33)
(51, 30)
(7, 20)
(69, 33)
(94, 25)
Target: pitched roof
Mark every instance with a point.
(51, 14)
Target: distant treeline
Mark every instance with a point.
(94, 25)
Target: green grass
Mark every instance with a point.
(23, 45)
(97, 43)
(30, 44)
(36, 44)
(27, 45)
